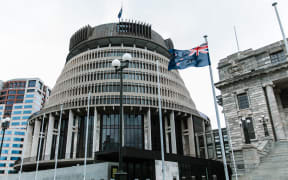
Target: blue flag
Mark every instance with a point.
(195, 57)
(120, 13)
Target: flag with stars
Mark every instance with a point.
(195, 57)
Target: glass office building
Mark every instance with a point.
(19, 99)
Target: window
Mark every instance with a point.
(24, 123)
(30, 90)
(15, 123)
(25, 117)
(17, 112)
(18, 107)
(243, 102)
(18, 139)
(27, 106)
(16, 118)
(27, 112)
(11, 97)
(277, 57)
(17, 145)
(21, 91)
(29, 95)
(29, 101)
(14, 158)
(4, 151)
(12, 92)
(16, 152)
(3, 158)
(284, 98)
(32, 83)
(20, 97)
(19, 133)
(2, 165)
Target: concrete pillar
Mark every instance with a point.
(75, 137)
(35, 139)
(205, 140)
(276, 118)
(69, 134)
(191, 137)
(167, 131)
(147, 130)
(49, 137)
(96, 132)
(173, 133)
(28, 141)
(197, 145)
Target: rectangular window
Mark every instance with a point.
(277, 57)
(16, 118)
(20, 97)
(14, 158)
(12, 92)
(30, 90)
(16, 152)
(29, 95)
(17, 145)
(19, 133)
(27, 106)
(18, 107)
(21, 91)
(11, 97)
(29, 101)
(15, 123)
(17, 112)
(24, 123)
(32, 83)
(243, 102)
(18, 139)
(27, 112)
(250, 128)
(25, 117)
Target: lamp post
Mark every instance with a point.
(4, 126)
(119, 66)
(244, 123)
(264, 121)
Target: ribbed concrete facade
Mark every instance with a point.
(88, 69)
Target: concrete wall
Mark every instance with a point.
(171, 170)
(99, 171)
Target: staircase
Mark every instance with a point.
(272, 167)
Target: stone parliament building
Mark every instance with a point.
(88, 69)
(254, 96)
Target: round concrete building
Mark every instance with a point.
(88, 69)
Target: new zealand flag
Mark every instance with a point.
(195, 57)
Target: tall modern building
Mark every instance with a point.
(254, 91)
(88, 69)
(19, 99)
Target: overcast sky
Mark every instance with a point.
(34, 34)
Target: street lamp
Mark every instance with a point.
(119, 66)
(264, 121)
(4, 126)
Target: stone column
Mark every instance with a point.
(191, 137)
(96, 133)
(167, 131)
(69, 134)
(28, 141)
(147, 130)
(205, 140)
(49, 137)
(173, 133)
(197, 145)
(35, 139)
(75, 137)
(276, 118)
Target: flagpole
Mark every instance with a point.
(238, 48)
(39, 148)
(281, 27)
(57, 143)
(217, 117)
(23, 151)
(160, 119)
(86, 138)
